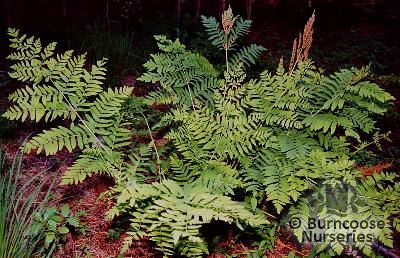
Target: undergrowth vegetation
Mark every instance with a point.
(29, 226)
(116, 44)
(254, 152)
(18, 204)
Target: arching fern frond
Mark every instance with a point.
(60, 86)
(184, 76)
(247, 55)
(216, 35)
(172, 216)
(93, 161)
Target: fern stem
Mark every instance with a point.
(190, 92)
(83, 121)
(375, 141)
(226, 47)
(226, 60)
(154, 145)
(191, 97)
(319, 110)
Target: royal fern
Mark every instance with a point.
(59, 86)
(278, 137)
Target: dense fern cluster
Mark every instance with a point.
(284, 140)
(58, 86)
(281, 137)
(172, 215)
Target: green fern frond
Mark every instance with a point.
(63, 88)
(171, 215)
(54, 140)
(37, 103)
(216, 35)
(92, 161)
(184, 76)
(277, 177)
(241, 28)
(247, 55)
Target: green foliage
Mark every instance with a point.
(275, 139)
(56, 224)
(63, 88)
(183, 75)
(18, 203)
(116, 43)
(172, 215)
(280, 137)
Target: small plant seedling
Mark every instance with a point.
(57, 223)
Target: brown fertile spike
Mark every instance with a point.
(228, 20)
(302, 44)
(281, 61)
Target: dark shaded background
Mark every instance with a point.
(372, 26)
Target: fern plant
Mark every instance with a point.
(59, 86)
(279, 137)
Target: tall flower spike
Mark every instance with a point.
(302, 44)
(228, 20)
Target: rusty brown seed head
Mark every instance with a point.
(228, 20)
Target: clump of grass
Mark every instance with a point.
(115, 44)
(18, 203)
